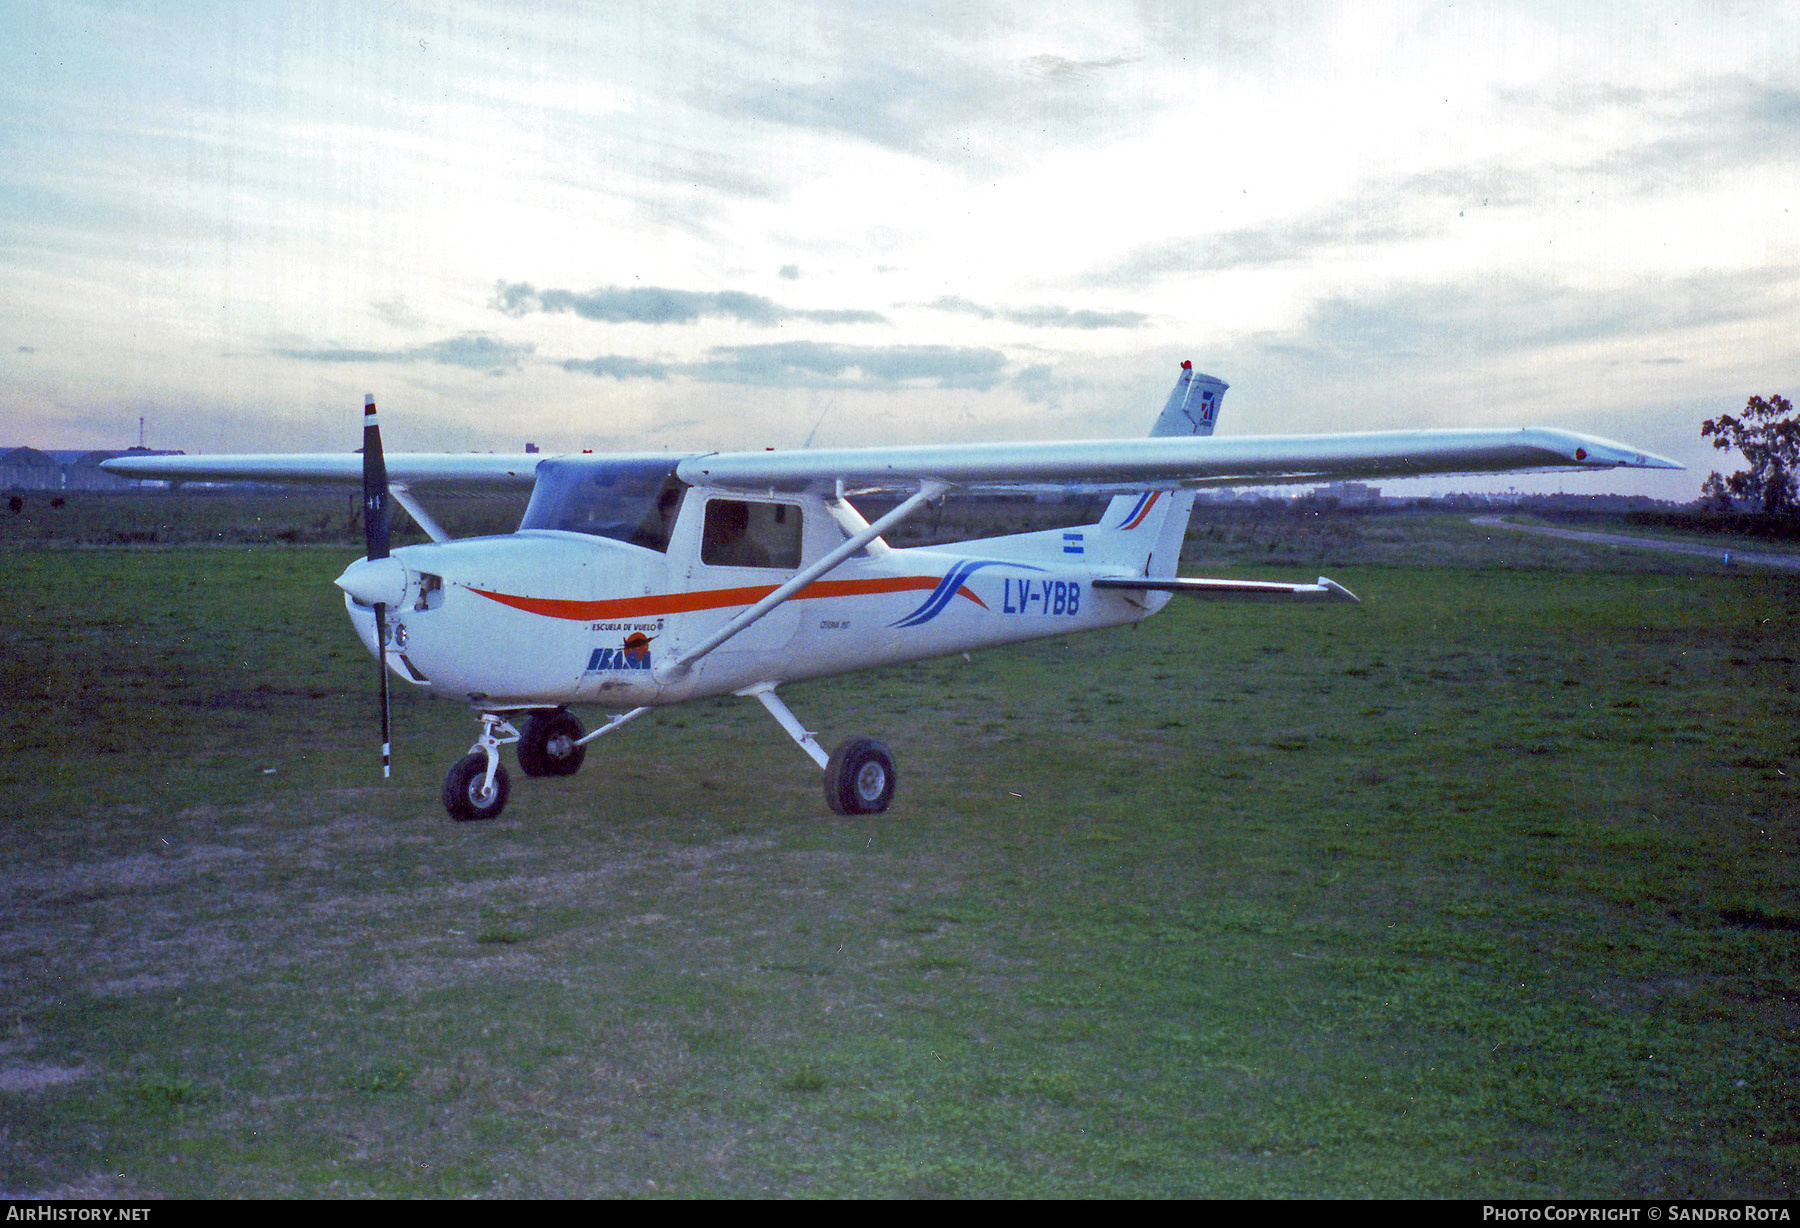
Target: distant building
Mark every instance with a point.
(29, 469)
(1350, 494)
(56, 470)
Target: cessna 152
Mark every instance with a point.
(640, 581)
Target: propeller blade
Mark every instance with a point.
(375, 484)
(387, 758)
(375, 534)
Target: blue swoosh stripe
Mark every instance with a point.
(934, 604)
(940, 596)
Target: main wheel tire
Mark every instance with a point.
(860, 777)
(548, 745)
(466, 796)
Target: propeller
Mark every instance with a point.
(375, 534)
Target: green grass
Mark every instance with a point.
(1483, 887)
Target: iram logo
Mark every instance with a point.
(634, 653)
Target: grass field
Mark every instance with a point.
(1486, 886)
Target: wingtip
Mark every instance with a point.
(1593, 452)
(1633, 459)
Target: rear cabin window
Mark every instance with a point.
(631, 501)
(742, 534)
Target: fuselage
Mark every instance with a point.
(548, 616)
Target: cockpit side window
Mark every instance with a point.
(744, 534)
(633, 501)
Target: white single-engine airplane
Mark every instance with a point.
(641, 580)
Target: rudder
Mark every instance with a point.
(1151, 524)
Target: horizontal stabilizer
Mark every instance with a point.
(1233, 590)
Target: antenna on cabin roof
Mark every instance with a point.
(140, 430)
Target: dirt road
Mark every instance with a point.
(1757, 558)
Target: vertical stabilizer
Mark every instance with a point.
(1149, 526)
(1193, 407)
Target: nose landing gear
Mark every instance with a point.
(476, 786)
(553, 744)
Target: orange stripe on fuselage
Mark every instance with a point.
(711, 598)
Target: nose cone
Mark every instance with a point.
(375, 582)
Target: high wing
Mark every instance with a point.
(422, 470)
(1118, 465)
(1098, 466)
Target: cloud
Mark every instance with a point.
(659, 305)
(396, 312)
(948, 101)
(1697, 128)
(822, 364)
(1686, 137)
(1062, 317)
(1253, 247)
(1725, 124)
(1039, 384)
(1058, 67)
(956, 303)
(476, 351)
(1042, 317)
(977, 87)
(1470, 319)
(816, 364)
(618, 367)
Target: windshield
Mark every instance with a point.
(627, 500)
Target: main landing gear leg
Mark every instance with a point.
(859, 774)
(476, 786)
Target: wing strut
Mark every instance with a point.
(927, 491)
(424, 519)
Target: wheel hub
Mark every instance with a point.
(870, 781)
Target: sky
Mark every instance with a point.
(686, 227)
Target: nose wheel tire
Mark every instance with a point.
(466, 793)
(860, 777)
(548, 745)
